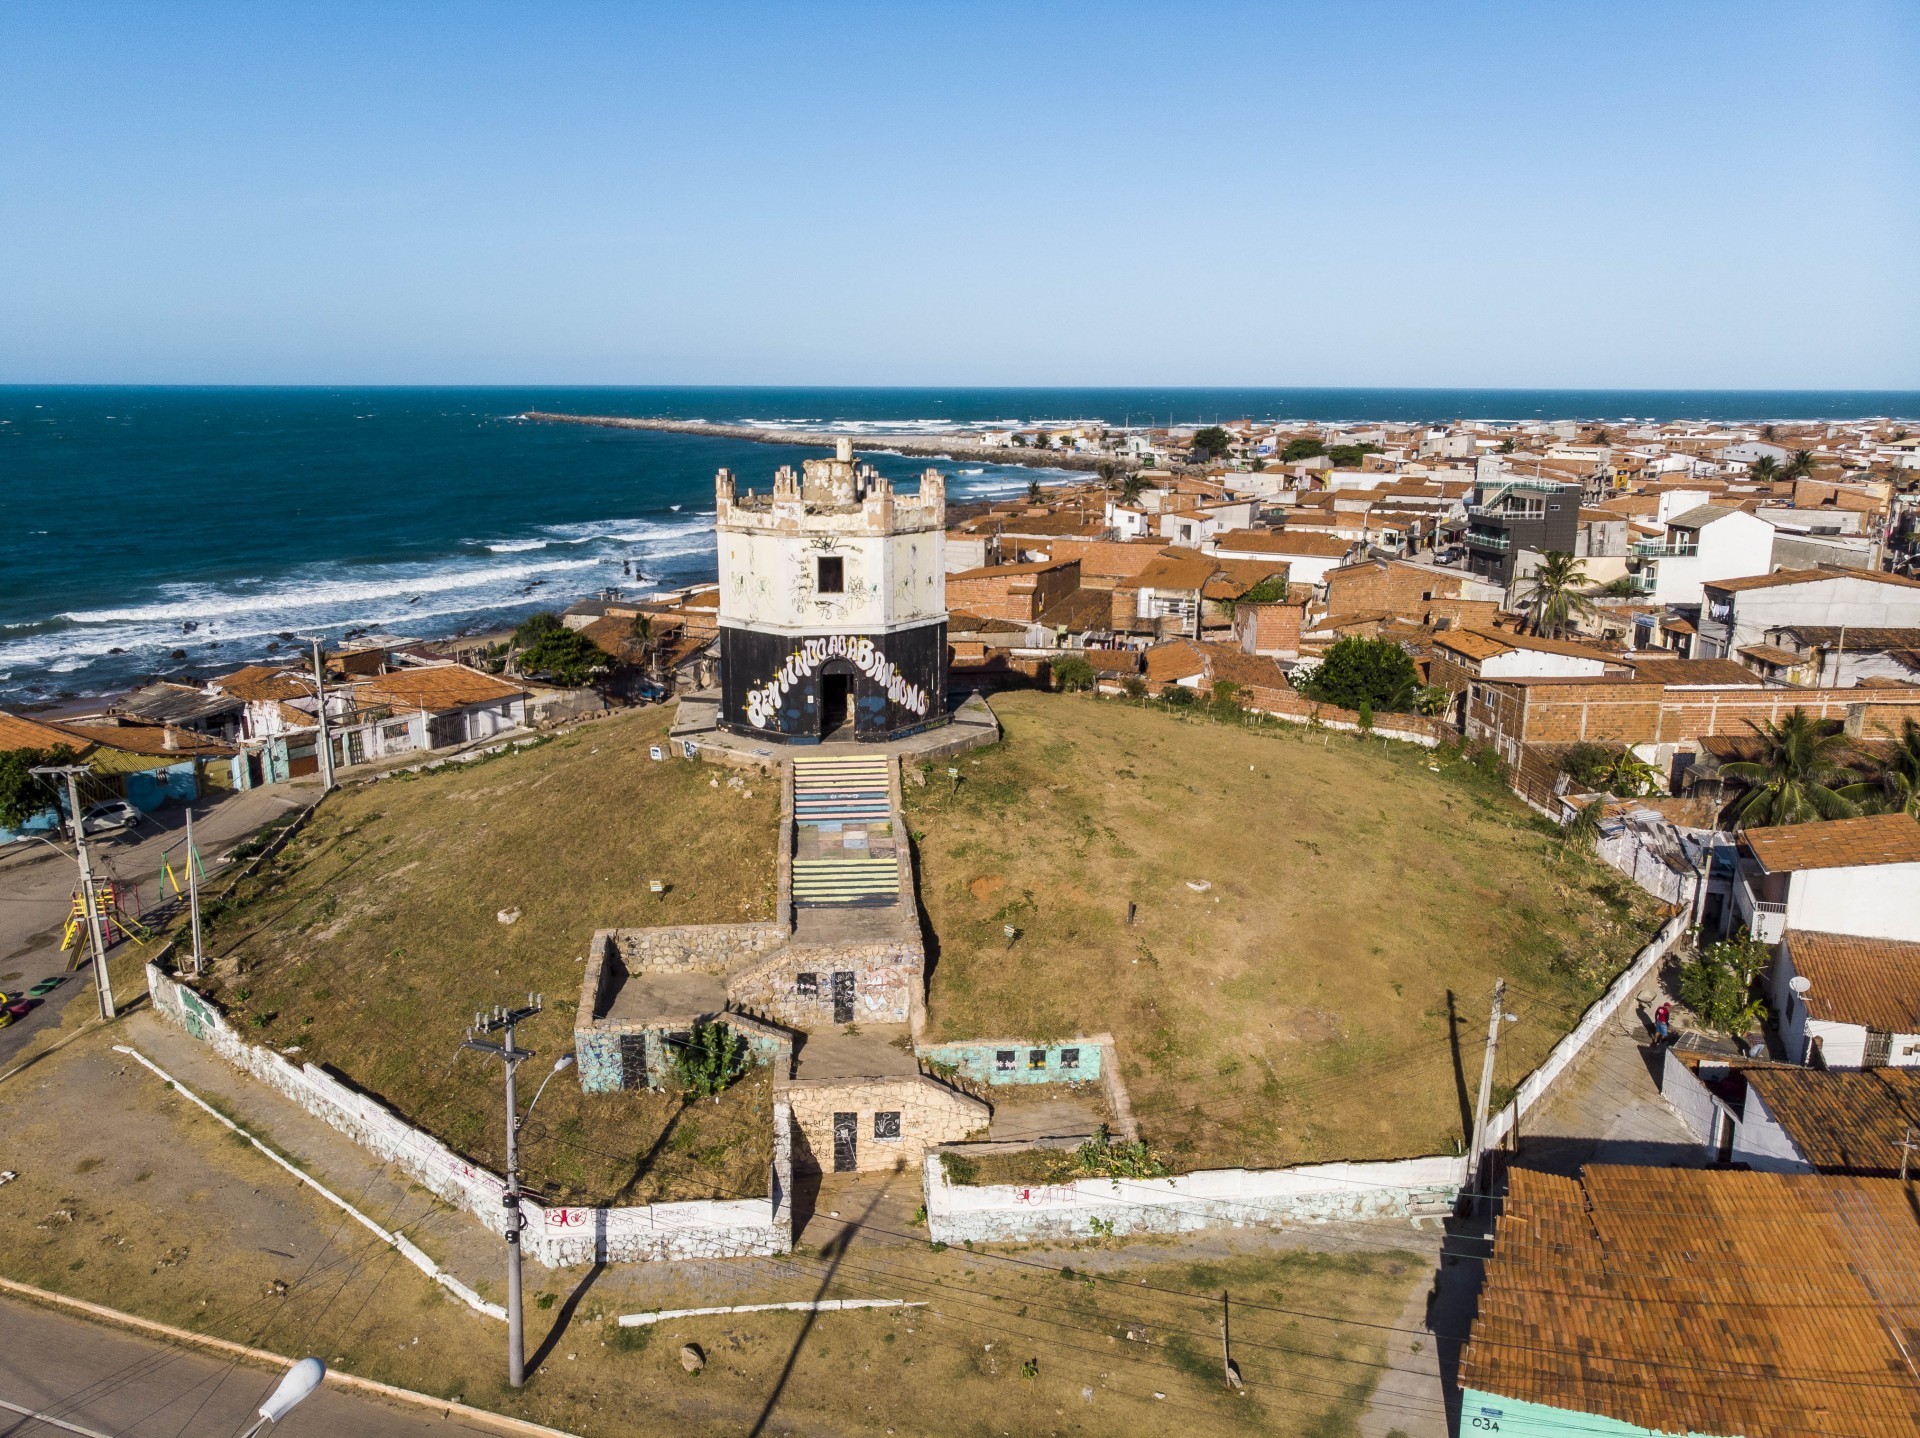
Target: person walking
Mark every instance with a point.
(1660, 1017)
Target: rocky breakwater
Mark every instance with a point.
(957, 446)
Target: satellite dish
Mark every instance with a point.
(1800, 984)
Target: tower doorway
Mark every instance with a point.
(836, 702)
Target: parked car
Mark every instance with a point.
(109, 816)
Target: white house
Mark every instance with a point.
(1309, 553)
(1782, 1118)
(1739, 612)
(1837, 876)
(1845, 1002)
(1702, 544)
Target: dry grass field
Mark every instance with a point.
(1320, 921)
(372, 939)
(161, 1212)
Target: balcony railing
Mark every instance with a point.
(1660, 549)
(1489, 541)
(1641, 581)
(1767, 921)
(1501, 511)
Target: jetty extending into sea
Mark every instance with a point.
(952, 446)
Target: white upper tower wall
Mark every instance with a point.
(890, 548)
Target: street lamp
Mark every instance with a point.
(296, 1386)
(560, 1065)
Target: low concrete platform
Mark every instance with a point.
(874, 1052)
(970, 724)
(1022, 1118)
(645, 996)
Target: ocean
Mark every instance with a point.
(181, 531)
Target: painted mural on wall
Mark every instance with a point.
(763, 700)
(771, 683)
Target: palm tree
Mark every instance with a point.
(1132, 486)
(1896, 788)
(1766, 469)
(1800, 466)
(1033, 491)
(1552, 594)
(1793, 781)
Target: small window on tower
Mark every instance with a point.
(832, 575)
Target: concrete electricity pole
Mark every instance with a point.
(503, 1021)
(320, 699)
(96, 931)
(193, 895)
(1486, 1093)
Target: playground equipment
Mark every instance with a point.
(118, 904)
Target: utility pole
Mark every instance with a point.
(193, 895)
(320, 698)
(503, 1020)
(1486, 1093)
(1906, 1147)
(95, 930)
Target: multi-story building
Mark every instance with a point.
(833, 608)
(1514, 512)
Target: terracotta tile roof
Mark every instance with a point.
(1478, 643)
(1837, 843)
(1774, 655)
(1472, 644)
(1807, 576)
(1700, 516)
(263, 682)
(20, 733)
(146, 739)
(1856, 637)
(1871, 982)
(1174, 660)
(442, 687)
(1708, 1301)
(1282, 542)
(1695, 673)
(1112, 661)
(1007, 571)
(1842, 1122)
(1080, 610)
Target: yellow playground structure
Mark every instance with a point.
(118, 904)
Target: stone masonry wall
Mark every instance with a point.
(1013, 1061)
(885, 974)
(555, 1236)
(693, 948)
(928, 1112)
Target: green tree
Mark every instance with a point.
(23, 794)
(1895, 789)
(1718, 985)
(1225, 701)
(1135, 687)
(1800, 466)
(535, 627)
(1348, 456)
(1033, 491)
(1375, 672)
(1507, 446)
(1302, 448)
(1552, 593)
(1213, 441)
(1766, 469)
(712, 1057)
(564, 656)
(1073, 674)
(1794, 779)
(1179, 696)
(1132, 486)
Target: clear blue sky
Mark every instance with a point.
(1639, 192)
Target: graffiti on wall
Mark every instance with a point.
(763, 700)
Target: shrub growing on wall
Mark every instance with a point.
(710, 1060)
(1718, 985)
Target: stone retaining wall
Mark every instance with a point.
(1321, 1192)
(691, 948)
(886, 975)
(926, 1112)
(555, 1236)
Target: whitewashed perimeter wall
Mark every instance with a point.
(557, 1237)
(1599, 1013)
(990, 1213)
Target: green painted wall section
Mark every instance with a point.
(1487, 1413)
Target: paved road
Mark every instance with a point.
(117, 1384)
(36, 889)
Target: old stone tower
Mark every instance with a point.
(833, 607)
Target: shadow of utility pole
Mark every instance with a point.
(836, 1251)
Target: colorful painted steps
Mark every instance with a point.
(844, 826)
